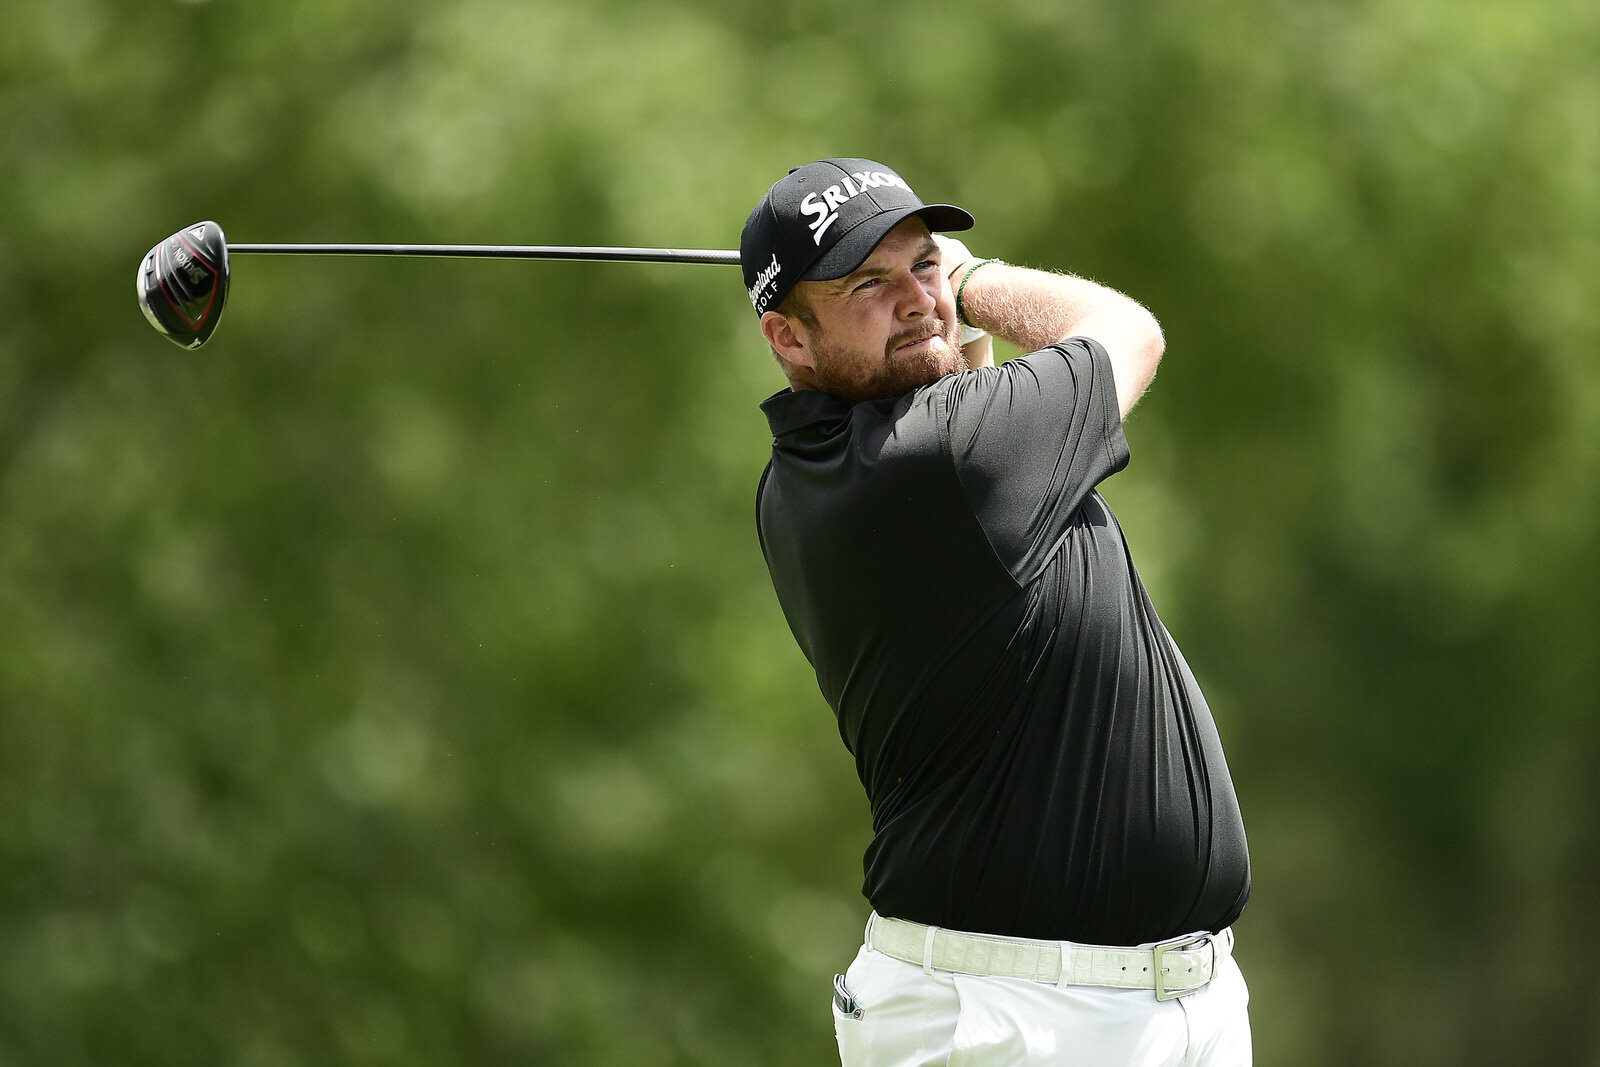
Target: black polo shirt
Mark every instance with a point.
(1038, 756)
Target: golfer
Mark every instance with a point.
(1058, 855)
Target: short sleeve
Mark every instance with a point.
(1030, 440)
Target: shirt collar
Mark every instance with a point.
(788, 410)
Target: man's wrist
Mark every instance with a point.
(961, 288)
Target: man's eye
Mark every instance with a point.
(864, 286)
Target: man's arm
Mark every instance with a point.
(1032, 309)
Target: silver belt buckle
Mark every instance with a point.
(1180, 944)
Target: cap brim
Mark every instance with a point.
(853, 248)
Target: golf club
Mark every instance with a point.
(183, 281)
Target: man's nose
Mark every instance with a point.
(916, 297)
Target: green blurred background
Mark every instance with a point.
(397, 679)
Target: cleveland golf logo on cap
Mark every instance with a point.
(825, 205)
(766, 278)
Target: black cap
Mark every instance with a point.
(823, 220)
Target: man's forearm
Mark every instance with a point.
(1032, 309)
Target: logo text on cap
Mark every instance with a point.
(768, 275)
(824, 206)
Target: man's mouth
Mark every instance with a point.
(915, 340)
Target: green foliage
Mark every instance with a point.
(397, 680)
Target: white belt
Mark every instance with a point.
(1172, 968)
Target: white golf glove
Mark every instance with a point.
(954, 251)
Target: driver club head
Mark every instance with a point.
(183, 283)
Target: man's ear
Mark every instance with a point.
(788, 338)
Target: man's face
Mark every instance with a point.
(888, 326)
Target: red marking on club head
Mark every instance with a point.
(177, 305)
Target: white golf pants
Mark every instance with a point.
(908, 1018)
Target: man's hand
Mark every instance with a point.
(977, 347)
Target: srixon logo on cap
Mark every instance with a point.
(824, 206)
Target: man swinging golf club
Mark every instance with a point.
(1058, 855)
